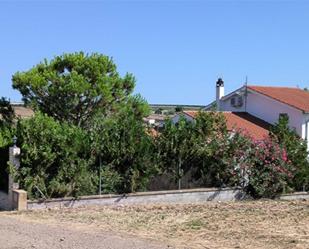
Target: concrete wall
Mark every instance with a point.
(295, 196)
(159, 197)
(4, 202)
(192, 196)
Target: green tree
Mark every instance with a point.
(7, 117)
(55, 158)
(215, 150)
(296, 149)
(123, 146)
(73, 87)
(176, 148)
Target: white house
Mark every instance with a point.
(266, 103)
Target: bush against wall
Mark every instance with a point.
(266, 169)
(124, 147)
(55, 159)
(296, 149)
(176, 148)
(224, 158)
(197, 147)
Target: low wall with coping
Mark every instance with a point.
(295, 196)
(158, 197)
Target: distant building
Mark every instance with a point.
(156, 120)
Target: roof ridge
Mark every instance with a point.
(290, 87)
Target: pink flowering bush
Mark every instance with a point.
(261, 167)
(266, 169)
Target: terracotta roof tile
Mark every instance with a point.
(294, 97)
(255, 127)
(243, 121)
(192, 114)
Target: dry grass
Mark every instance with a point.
(260, 224)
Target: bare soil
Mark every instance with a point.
(252, 224)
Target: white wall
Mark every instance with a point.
(226, 105)
(269, 109)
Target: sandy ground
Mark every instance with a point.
(20, 233)
(258, 224)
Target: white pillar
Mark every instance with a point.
(14, 153)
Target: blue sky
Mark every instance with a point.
(176, 49)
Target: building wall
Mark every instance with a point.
(269, 110)
(226, 105)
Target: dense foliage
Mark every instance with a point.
(296, 149)
(88, 136)
(124, 147)
(176, 148)
(6, 122)
(55, 158)
(7, 116)
(73, 87)
(266, 169)
(220, 158)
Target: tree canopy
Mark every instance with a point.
(7, 116)
(73, 87)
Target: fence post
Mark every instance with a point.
(19, 200)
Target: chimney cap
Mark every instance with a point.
(220, 82)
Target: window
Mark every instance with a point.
(237, 101)
(233, 101)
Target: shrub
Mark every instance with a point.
(55, 158)
(267, 169)
(125, 148)
(296, 149)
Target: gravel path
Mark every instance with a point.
(17, 233)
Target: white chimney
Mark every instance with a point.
(219, 93)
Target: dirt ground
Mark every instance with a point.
(259, 224)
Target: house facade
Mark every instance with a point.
(266, 103)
